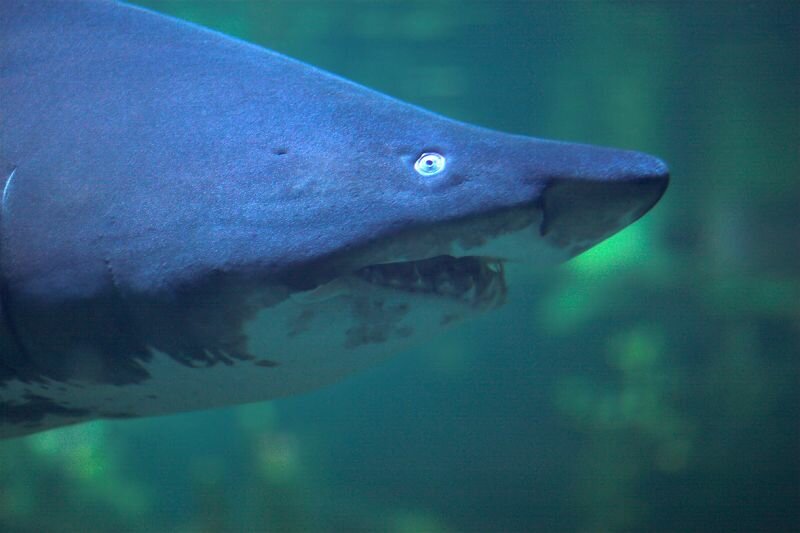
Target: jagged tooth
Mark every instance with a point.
(471, 294)
(485, 295)
(469, 286)
(415, 274)
(491, 288)
(447, 287)
(442, 283)
(428, 284)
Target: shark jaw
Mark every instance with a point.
(464, 261)
(458, 265)
(473, 280)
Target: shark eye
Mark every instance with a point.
(429, 164)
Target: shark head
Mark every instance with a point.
(436, 208)
(492, 198)
(435, 211)
(192, 221)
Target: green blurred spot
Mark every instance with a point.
(673, 455)
(636, 351)
(564, 308)
(427, 23)
(628, 247)
(278, 458)
(416, 522)
(257, 417)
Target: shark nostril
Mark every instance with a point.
(662, 170)
(644, 167)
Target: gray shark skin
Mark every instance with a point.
(191, 221)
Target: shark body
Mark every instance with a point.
(190, 221)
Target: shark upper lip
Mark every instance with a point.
(476, 280)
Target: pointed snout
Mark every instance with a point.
(593, 192)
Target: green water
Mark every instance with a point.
(650, 385)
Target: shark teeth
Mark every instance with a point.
(475, 280)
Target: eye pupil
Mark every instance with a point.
(430, 164)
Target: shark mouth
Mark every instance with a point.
(474, 280)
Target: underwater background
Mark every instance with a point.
(652, 384)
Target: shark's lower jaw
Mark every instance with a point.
(475, 280)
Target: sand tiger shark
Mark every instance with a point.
(191, 221)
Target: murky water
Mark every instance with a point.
(650, 385)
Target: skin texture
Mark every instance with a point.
(167, 187)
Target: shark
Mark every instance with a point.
(191, 221)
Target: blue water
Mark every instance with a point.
(650, 385)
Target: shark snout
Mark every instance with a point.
(598, 192)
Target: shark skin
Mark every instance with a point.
(191, 221)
